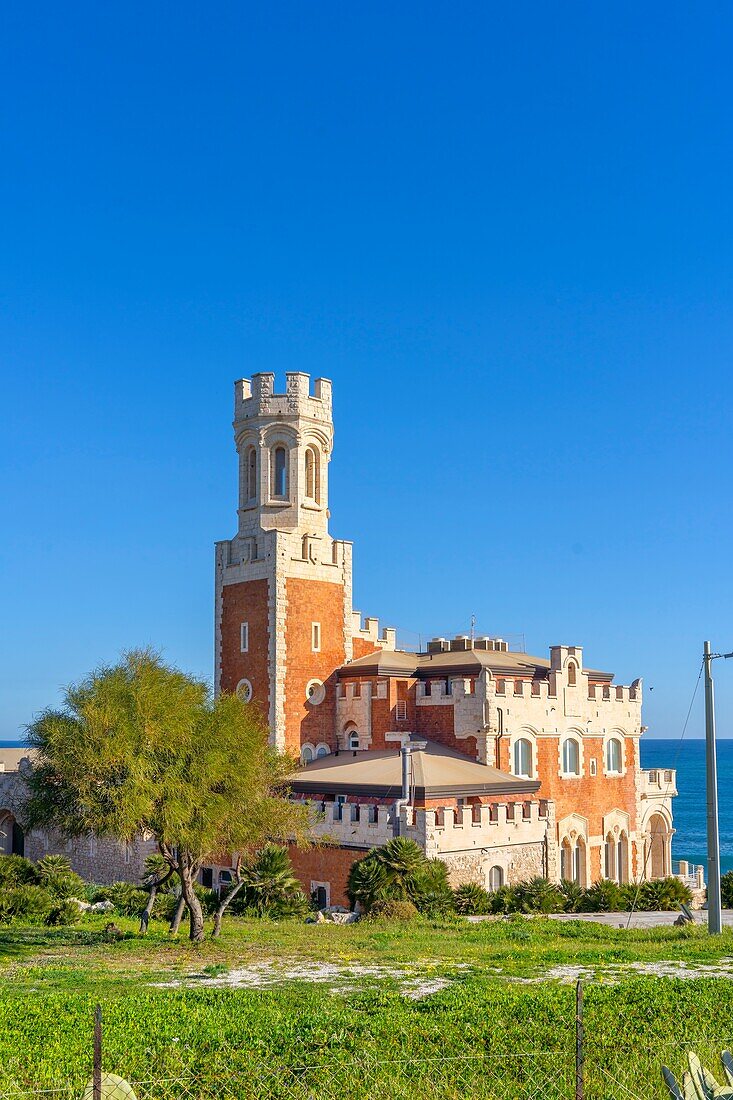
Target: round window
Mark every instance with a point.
(244, 691)
(315, 692)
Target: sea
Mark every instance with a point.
(688, 757)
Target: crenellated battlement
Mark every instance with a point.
(369, 631)
(256, 397)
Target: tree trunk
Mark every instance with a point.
(177, 916)
(147, 912)
(145, 915)
(195, 912)
(224, 905)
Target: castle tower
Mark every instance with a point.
(283, 585)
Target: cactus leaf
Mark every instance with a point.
(113, 1088)
(689, 1091)
(671, 1082)
(727, 1061)
(704, 1082)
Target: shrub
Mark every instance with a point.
(573, 895)
(504, 900)
(56, 876)
(662, 893)
(539, 895)
(128, 899)
(17, 871)
(603, 896)
(400, 871)
(63, 911)
(28, 903)
(387, 909)
(367, 882)
(271, 888)
(429, 890)
(726, 890)
(471, 900)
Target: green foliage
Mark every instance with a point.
(471, 900)
(28, 903)
(726, 890)
(603, 896)
(127, 898)
(503, 900)
(17, 871)
(271, 888)
(63, 912)
(657, 894)
(400, 871)
(395, 910)
(142, 748)
(539, 895)
(56, 876)
(573, 895)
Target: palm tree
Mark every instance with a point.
(269, 878)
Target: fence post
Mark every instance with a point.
(97, 1072)
(579, 1051)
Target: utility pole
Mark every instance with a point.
(715, 923)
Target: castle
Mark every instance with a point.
(502, 764)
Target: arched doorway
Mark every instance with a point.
(658, 837)
(12, 838)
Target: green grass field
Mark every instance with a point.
(493, 1027)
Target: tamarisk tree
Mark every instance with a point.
(141, 749)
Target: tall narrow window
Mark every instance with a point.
(496, 878)
(613, 756)
(279, 473)
(316, 637)
(571, 757)
(571, 675)
(244, 637)
(312, 475)
(523, 758)
(251, 474)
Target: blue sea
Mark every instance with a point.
(688, 757)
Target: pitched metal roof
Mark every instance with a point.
(437, 772)
(398, 662)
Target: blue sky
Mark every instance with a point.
(504, 231)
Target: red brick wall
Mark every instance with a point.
(312, 602)
(362, 646)
(246, 602)
(326, 864)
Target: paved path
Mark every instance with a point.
(639, 920)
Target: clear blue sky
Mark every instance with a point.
(504, 231)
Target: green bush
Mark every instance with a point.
(603, 896)
(56, 876)
(661, 893)
(471, 900)
(271, 888)
(726, 890)
(573, 895)
(504, 900)
(400, 871)
(539, 895)
(17, 871)
(27, 903)
(128, 899)
(63, 911)
(386, 909)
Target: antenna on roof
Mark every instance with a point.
(473, 630)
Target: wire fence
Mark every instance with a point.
(613, 1067)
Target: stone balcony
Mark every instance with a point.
(658, 782)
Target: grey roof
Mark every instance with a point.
(437, 772)
(470, 662)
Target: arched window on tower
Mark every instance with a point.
(572, 674)
(251, 473)
(279, 473)
(312, 475)
(571, 757)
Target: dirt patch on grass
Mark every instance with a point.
(340, 978)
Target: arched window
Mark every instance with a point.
(496, 878)
(322, 750)
(613, 756)
(251, 473)
(610, 857)
(354, 739)
(571, 756)
(306, 754)
(280, 472)
(312, 475)
(622, 868)
(571, 674)
(523, 758)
